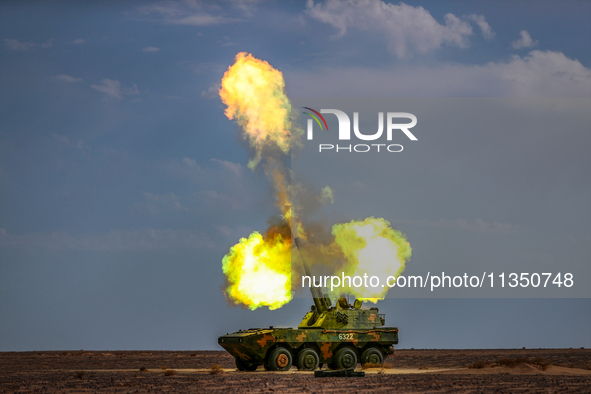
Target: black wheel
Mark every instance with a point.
(372, 355)
(280, 359)
(244, 366)
(308, 360)
(345, 358)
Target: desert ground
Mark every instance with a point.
(420, 370)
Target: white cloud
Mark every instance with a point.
(246, 6)
(485, 28)
(225, 41)
(188, 12)
(150, 49)
(202, 67)
(109, 87)
(201, 19)
(67, 78)
(525, 41)
(216, 200)
(549, 74)
(233, 233)
(407, 29)
(131, 91)
(217, 184)
(234, 168)
(79, 144)
(79, 41)
(477, 225)
(62, 138)
(16, 45)
(115, 240)
(113, 89)
(187, 170)
(189, 162)
(156, 203)
(212, 92)
(544, 73)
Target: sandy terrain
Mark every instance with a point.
(433, 371)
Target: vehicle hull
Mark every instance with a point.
(252, 346)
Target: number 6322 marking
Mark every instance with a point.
(346, 337)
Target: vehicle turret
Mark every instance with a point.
(342, 316)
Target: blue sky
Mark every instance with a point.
(122, 183)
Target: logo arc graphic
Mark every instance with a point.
(316, 119)
(317, 113)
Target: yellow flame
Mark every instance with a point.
(254, 93)
(373, 248)
(258, 271)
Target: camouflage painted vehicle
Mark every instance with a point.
(340, 336)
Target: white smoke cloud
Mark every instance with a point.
(485, 28)
(193, 13)
(407, 29)
(477, 225)
(213, 92)
(114, 240)
(234, 168)
(525, 41)
(189, 162)
(156, 203)
(17, 45)
(67, 78)
(538, 74)
(114, 89)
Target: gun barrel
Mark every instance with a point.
(321, 302)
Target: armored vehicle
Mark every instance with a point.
(340, 336)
